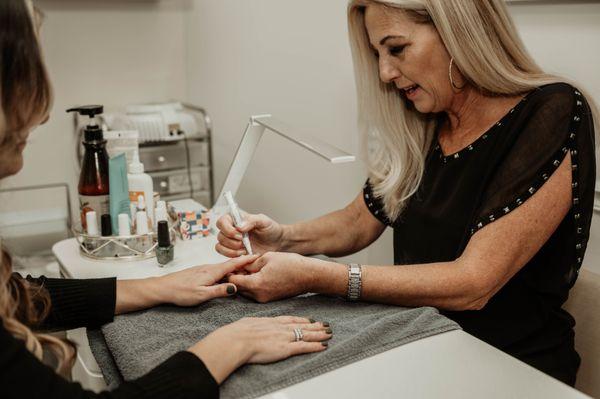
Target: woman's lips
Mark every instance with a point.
(412, 91)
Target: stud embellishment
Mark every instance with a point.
(531, 190)
(574, 152)
(572, 136)
(519, 201)
(545, 176)
(492, 218)
(456, 155)
(576, 118)
(480, 225)
(575, 201)
(556, 162)
(578, 246)
(577, 216)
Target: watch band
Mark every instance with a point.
(354, 281)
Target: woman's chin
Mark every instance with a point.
(11, 166)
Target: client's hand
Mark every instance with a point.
(259, 340)
(184, 288)
(198, 284)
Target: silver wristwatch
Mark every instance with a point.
(354, 281)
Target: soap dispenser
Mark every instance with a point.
(93, 181)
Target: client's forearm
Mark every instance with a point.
(139, 294)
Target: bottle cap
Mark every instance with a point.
(141, 222)
(92, 132)
(92, 223)
(136, 166)
(161, 205)
(106, 225)
(164, 239)
(124, 229)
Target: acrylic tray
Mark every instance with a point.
(133, 247)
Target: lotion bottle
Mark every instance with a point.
(140, 183)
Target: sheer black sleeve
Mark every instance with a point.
(375, 204)
(560, 122)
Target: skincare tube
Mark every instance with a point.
(91, 221)
(119, 188)
(124, 229)
(141, 222)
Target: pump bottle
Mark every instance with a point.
(93, 181)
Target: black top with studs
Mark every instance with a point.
(462, 192)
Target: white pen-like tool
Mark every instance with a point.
(237, 220)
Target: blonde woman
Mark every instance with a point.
(484, 167)
(30, 306)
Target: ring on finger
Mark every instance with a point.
(298, 336)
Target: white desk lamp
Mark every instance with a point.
(252, 135)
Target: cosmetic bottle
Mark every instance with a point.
(140, 183)
(160, 213)
(165, 251)
(106, 225)
(91, 229)
(124, 229)
(93, 180)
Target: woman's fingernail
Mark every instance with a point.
(325, 343)
(329, 331)
(241, 253)
(325, 324)
(238, 237)
(230, 289)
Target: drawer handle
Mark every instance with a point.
(163, 184)
(161, 159)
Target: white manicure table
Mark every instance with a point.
(448, 365)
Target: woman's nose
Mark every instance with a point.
(387, 71)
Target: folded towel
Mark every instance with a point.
(140, 341)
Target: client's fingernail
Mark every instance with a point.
(325, 343)
(325, 324)
(312, 320)
(230, 289)
(329, 331)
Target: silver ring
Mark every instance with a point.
(298, 336)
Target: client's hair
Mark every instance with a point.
(26, 98)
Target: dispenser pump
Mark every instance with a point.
(92, 131)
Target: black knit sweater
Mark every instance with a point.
(91, 303)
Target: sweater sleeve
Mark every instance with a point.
(78, 303)
(182, 376)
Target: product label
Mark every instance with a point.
(133, 196)
(97, 203)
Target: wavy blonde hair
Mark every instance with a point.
(25, 99)
(482, 39)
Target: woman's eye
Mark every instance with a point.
(396, 50)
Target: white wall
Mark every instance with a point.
(290, 59)
(106, 52)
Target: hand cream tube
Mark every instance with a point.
(119, 188)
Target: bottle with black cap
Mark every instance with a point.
(93, 181)
(165, 250)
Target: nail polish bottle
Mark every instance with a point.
(165, 250)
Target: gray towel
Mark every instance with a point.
(140, 341)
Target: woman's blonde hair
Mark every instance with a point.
(486, 48)
(25, 99)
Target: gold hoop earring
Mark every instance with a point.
(458, 88)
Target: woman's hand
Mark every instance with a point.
(188, 287)
(277, 275)
(259, 340)
(265, 235)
